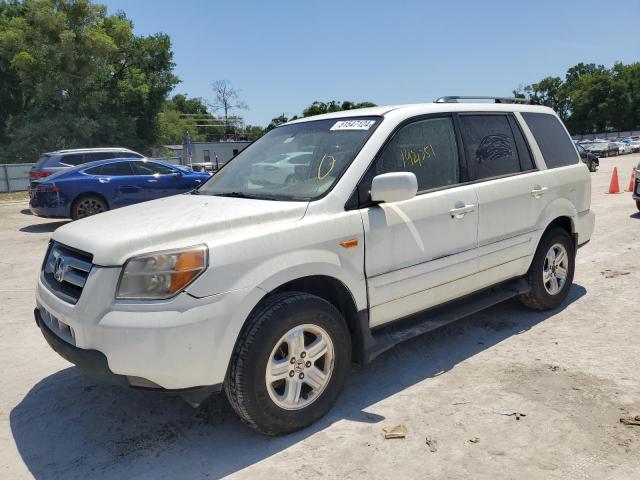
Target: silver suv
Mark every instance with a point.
(49, 163)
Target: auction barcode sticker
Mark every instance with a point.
(353, 125)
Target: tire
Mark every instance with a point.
(88, 205)
(638, 205)
(542, 295)
(592, 167)
(262, 402)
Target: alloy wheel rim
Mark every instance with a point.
(89, 207)
(555, 269)
(300, 367)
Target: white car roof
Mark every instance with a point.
(412, 109)
(88, 150)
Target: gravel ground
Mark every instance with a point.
(572, 373)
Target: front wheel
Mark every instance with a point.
(593, 167)
(289, 364)
(551, 272)
(638, 204)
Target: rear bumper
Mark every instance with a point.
(584, 225)
(48, 205)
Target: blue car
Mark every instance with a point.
(107, 184)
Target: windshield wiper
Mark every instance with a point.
(233, 194)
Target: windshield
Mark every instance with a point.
(293, 162)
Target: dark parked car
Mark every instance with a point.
(52, 162)
(588, 158)
(602, 149)
(98, 186)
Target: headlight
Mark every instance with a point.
(161, 275)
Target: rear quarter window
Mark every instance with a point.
(72, 159)
(555, 145)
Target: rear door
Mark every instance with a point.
(418, 251)
(117, 182)
(512, 193)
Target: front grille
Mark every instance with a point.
(65, 271)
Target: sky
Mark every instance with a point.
(283, 55)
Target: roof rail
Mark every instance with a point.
(455, 98)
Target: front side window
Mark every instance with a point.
(301, 161)
(490, 146)
(151, 168)
(426, 148)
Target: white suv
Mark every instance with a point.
(267, 287)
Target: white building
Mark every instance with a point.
(214, 152)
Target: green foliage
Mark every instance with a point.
(592, 98)
(71, 76)
(318, 108)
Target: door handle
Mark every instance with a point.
(152, 181)
(538, 191)
(104, 180)
(461, 209)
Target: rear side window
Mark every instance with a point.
(116, 169)
(94, 156)
(426, 148)
(555, 145)
(491, 148)
(72, 159)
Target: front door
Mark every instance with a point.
(417, 251)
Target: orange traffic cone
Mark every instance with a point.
(614, 186)
(632, 181)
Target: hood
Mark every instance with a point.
(172, 222)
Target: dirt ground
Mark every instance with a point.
(573, 372)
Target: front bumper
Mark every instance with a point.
(92, 362)
(176, 344)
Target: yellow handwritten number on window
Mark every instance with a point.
(333, 164)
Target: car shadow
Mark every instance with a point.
(43, 227)
(635, 215)
(26, 211)
(68, 426)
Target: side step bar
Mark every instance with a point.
(386, 337)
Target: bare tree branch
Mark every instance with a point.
(227, 99)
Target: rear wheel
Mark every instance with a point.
(592, 166)
(551, 273)
(87, 206)
(638, 205)
(289, 364)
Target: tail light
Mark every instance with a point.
(51, 187)
(39, 174)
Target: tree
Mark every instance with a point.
(551, 93)
(592, 98)
(318, 108)
(72, 76)
(226, 99)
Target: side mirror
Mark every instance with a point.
(394, 187)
